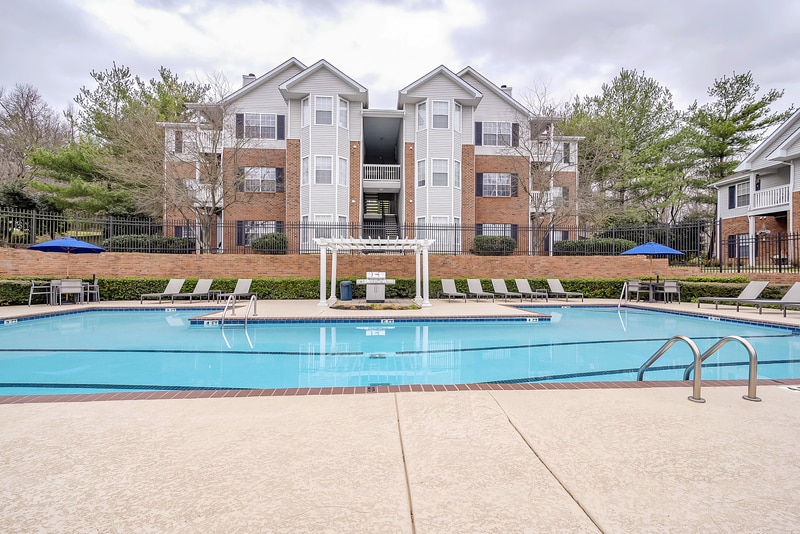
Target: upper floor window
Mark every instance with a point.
(422, 117)
(305, 112)
(260, 126)
(323, 170)
(421, 173)
(457, 174)
(566, 156)
(441, 114)
(497, 133)
(739, 195)
(324, 110)
(457, 117)
(304, 171)
(439, 173)
(261, 180)
(343, 108)
(343, 174)
(496, 184)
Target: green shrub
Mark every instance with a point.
(149, 243)
(490, 245)
(591, 247)
(273, 243)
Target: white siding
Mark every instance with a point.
(761, 162)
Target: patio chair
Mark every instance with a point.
(750, 292)
(41, 288)
(524, 287)
(474, 288)
(242, 290)
(450, 291)
(500, 289)
(557, 290)
(669, 289)
(173, 288)
(789, 300)
(634, 286)
(72, 287)
(202, 290)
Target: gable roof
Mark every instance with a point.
(472, 96)
(261, 80)
(767, 150)
(288, 88)
(496, 90)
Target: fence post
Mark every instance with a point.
(780, 255)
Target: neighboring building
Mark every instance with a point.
(300, 147)
(759, 205)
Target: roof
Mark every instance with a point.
(495, 89)
(290, 91)
(792, 123)
(261, 80)
(472, 96)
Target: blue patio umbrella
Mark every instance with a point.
(651, 249)
(69, 245)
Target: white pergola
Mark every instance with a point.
(348, 244)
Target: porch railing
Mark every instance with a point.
(770, 198)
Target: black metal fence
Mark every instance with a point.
(24, 228)
(764, 251)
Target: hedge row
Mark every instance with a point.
(16, 291)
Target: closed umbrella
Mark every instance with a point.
(68, 245)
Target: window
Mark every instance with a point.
(178, 141)
(261, 180)
(305, 234)
(561, 195)
(457, 174)
(422, 117)
(496, 184)
(304, 171)
(247, 231)
(323, 226)
(304, 112)
(342, 229)
(421, 173)
(497, 133)
(499, 230)
(439, 173)
(343, 107)
(260, 125)
(441, 114)
(342, 176)
(323, 170)
(739, 245)
(457, 117)
(743, 194)
(185, 231)
(324, 110)
(419, 229)
(566, 156)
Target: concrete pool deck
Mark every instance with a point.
(615, 459)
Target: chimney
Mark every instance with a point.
(247, 79)
(507, 90)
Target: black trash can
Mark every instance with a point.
(345, 290)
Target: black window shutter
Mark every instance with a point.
(515, 134)
(514, 232)
(281, 127)
(279, 180)
(239, 233)
(514, 185)
(178, 141)
(279, 225)
(478, 229)
(479, 184)
(240, 179)
(478, 133)
(239, 125)
(731, 197)
(178, 231)
(731, 246)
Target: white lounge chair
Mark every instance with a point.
(750, 292)
(475, 288)
(242, 290)
(202, 290)
(500, 289)
(789, 300)
(449, 290)
(557, 290)
(173, 288)
(524, 287)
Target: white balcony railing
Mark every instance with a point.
(541, 202)
(770, 198)
(386, 173)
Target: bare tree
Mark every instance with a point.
(27, 122)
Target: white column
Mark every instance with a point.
(322, 261)
(334, 255)
(425, 284)
(417, 297)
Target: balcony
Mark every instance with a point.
(541, 202)
(381, 178)
(774, 197)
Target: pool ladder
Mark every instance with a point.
(231, 303)
(697, 364)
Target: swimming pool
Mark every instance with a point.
(97, 351)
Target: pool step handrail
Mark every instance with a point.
(231, 303)
(624, 294)
(697, 364)
(254, 303)
(753, 369)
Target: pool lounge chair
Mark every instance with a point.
(524, 287)
(557, 290)
(475, 288)
(202, 290)
(790, 300)
(242, 290)
(450, 291)
(173, 288)
(500, 289)
(750, 292)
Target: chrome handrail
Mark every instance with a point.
(751, 352)
(254, 302)
(664, 348)
(231, 299)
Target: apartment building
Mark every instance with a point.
(759, 205)
(300, 146)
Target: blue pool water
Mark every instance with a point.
(97, 351)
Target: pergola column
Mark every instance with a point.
(417, 297)
(322, 266)
(334, 255)
(425, 281)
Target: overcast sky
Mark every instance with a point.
(563, 47)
